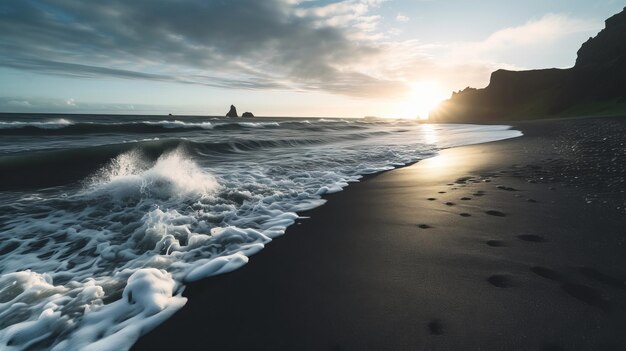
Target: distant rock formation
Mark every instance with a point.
(247, 115)
(596, 85)
(232, 112)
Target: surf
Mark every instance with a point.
(101, 254)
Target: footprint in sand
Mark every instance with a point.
(499, 280)
(463, 180)
(604, 278)
(495, 213)
(581, 292)
(435, 327)
(442, 192)
(431, 199)
(586, 294)
(552, 347)
(450, 203)
(424, 226)
(502, 187)
(531, 238)
(546, 273)
(495, 243)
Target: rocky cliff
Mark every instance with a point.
(596, 85)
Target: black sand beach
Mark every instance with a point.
(512, 245)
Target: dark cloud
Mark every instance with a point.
(246, 44)
(65, 69)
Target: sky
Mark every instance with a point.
(327, 58)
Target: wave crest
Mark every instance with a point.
(172, 175)
(51, 124)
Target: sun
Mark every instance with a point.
(422, 98)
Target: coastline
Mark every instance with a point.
(514, 254)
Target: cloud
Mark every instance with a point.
(51, 105)
(402, 18)
(547, 29)
(287, 45)
(240, 44)
(344, 14)
(17, 103)
(530, 40)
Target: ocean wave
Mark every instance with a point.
(68, 127)
(75, 128)
(258, 124)
(103, 257)
(112, 261)
(173, 124)
(64, 166)
(173, 174)
(51, 124)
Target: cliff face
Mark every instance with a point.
(595, 85)
(608, 48)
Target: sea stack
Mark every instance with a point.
(232, 112)
(247, 115)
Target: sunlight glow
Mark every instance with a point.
(423, 97)
(430, 133)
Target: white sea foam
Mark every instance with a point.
(173, 174)
(180, 124)
(95, 267)
(258, 124)
(209, 125)
(147, 258)
(50, 124)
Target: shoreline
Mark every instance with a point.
(505, 258)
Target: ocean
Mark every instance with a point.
(105, 218)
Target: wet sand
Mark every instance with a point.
(512, 245)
